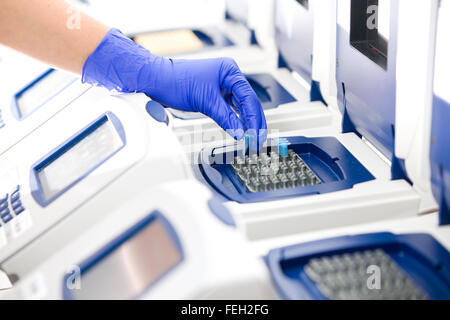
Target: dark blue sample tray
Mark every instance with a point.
(421, 258)
(329, 160)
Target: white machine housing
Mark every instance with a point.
(148, 155)
(379, 199)
(216, 261)
(152, 15)
(21, 76)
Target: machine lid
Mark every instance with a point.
(237, 10)
(294, 35)
(440, 130)
(366, 53)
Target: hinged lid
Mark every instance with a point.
(417, 21)
(237, 10)
(294, 26)
(366, 71)
(440, 128)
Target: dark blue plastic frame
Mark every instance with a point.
(35, 184)
(92, 261)
(423, 259)
(14, 105)
(334, 165)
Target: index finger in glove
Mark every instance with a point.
(248, 105)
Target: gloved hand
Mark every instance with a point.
(209, 86)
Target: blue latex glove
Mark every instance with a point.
(208, 86)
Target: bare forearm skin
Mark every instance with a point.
(51, 31)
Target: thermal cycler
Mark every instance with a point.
(150, 247)
(345, 173)
(137, 15)
(403, 259)
(289, 96)
(98, 151)
(183, 29)
(31, 94)
(233, 37)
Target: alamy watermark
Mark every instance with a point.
(73, 21)
(374, 280)
(372, 20)
(73, 277)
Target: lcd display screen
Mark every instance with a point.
(170, 42)
(42, 91)
(78, 157)
(129, 269)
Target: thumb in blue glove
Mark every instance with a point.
(214, 87)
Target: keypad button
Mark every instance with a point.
(19, 210)
(6, 218)
(4, 211)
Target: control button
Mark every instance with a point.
(16, 205)
(3, 201)
(16, 202)
(3, 205)
(7, 218)
(19, 210)
(15, 195)
(4, 211)
(157, 111)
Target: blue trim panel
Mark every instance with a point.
(316, 94)
(253, 38)
(228, 16)
(35, 185)
(367, 92)
(440, 157)
(212, 38)
(335, 166)
(235, 16)
(115, 243)
(14, 105)
(423, 259)
(281, 63)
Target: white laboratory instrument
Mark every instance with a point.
(402, 259)
(290, 95)
(150, 247)
(100, 150)
(339, 175)
(151, 15)
(231, 36)
(31, 94)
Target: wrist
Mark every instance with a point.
(115, 58)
